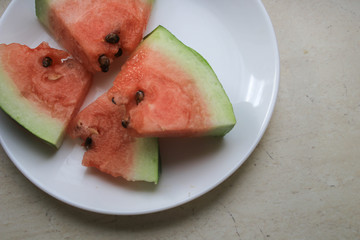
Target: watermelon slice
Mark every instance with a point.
(110, 148)
(95, 32)
(41, 88)
(170, 90)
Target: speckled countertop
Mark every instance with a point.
(301, 182)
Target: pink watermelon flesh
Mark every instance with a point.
(180, 93)
(109, 146)
(82, 26)
(171, 105)
(42, 99)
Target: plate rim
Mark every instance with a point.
(265, 123)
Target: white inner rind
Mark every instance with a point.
(28, 114)
(146, 165)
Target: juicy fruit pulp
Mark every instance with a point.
(41, 88)
(164, 89)
(96, 31)
(109, 146)
(180, 93)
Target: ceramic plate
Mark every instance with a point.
(237, 39)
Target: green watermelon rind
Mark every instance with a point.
(225, 108)
(42, 10)
(27, 114)
(146, 165)
(151, 2)
(222, 113)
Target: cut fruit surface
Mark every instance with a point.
(95, 32)
(170, 90)
(109, 147)
(41, 88)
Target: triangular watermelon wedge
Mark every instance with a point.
(110, 148)
(170, 90)
(95, 32)
(42, 88)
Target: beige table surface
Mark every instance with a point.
(301, 182)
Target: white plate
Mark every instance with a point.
(235, 36)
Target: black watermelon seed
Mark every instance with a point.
(88, 142)
(113, 100)
(112, 38)
(104, 60)
(104, 63)
(47, 62)
(119, 53)
(139, 96)
(124, 123)
(104, 68)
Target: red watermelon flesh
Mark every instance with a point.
(180, 94)
(82, 27)
(171, 105)
(109, 146)
(41, 98)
